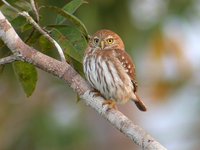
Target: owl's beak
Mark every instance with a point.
(102, 45)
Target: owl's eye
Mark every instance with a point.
(96, 40)
(110, 40)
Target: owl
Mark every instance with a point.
(110, 70)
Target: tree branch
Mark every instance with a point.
(33, 5)
(65, 72)
(9, 59)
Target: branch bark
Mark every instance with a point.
(8, 59)
(65, 72)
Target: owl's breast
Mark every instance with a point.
(108, 76)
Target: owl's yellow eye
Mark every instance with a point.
(96, 40)
(110, 40)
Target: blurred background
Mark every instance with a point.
(162, 37)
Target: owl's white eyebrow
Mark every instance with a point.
(109, 37)
(95, 37)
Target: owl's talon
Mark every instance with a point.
(95, 93)
(111, 104)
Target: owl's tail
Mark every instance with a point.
(139, 103)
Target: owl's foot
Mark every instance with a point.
(95, 92)
(111, 104)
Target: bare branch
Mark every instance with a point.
(35, 10)
(37, 27)
(9, 59)
(65, 72)
(10, 6)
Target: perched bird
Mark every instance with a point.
(110, 70)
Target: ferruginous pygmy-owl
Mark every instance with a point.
(110, 70)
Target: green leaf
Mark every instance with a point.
(70, 7)
(73, 44)
(78, 66)
(18, 22)
(26, 27)
(22, 5)
(27, 75)
(71, 40)
(45, 45)
(33, 37)
(67, 45)
(73, 19)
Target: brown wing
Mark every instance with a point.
(128, 65)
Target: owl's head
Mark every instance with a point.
(106, 39)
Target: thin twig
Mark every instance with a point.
(36, 26)
(10, 6)
(8, 59)
(35, 10)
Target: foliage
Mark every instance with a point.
(67, 30)
(27, 76)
